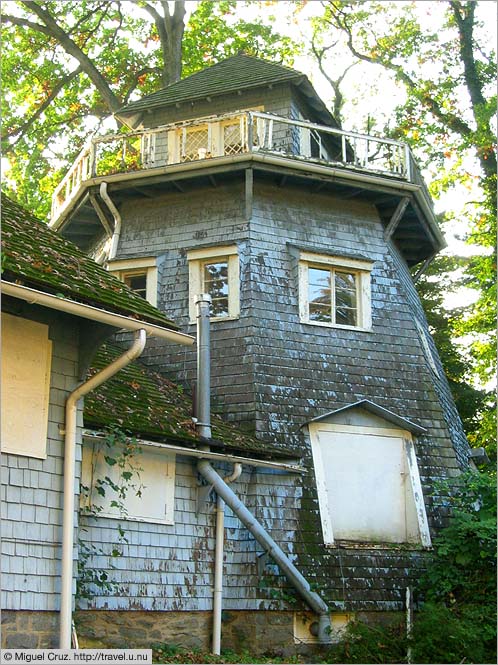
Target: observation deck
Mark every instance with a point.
(349, 163)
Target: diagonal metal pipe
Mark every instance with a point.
(301, 585)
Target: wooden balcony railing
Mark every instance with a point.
(233, 134)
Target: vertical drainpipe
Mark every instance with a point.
(203, 387)
(70, 477)
(203, 425)
(218, 562)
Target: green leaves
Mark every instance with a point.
(67, 66)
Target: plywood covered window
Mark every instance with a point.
(334, 291)
(141, 490)
(368, 485)
(215, 271)
(26, 363)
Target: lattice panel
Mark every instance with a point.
(232, 139)
(195, 144)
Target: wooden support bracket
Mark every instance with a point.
(396, 218)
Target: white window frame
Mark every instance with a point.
(147, 266)
(196, 259)
(361, 269)
(26, 368)
(411, 466)
(157, 492)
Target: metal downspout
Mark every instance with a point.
(203, 386)
(218, 562)
(270, 546)
(117, 220)
(70, 476)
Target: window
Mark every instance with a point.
(368, 484)
(26, 363)
(153, 477)
(215, 271)
(334, 291)
(139, 274)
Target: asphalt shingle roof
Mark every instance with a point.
(34, 256)
(147, 405)
(236, 73)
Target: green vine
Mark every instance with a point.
(118, 452)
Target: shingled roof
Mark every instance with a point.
(147, 405)
(239, 72)
(36, 257)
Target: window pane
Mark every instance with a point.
(319, 277)
(319, 295)
(345, 280)
(346, 317)
(138, 283)
(346, 308)
(215, 282)
(318, 312)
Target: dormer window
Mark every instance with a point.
(215, 270)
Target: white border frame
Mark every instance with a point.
(124, 267)
(321, 483)
(196, 258)
(362, 269)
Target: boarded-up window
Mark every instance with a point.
(142, 490)
(26, 361)
(368, 485)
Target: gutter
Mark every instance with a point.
(89, 435)
(35, 297)
(116, 234)
(70, 477)
(259, 157)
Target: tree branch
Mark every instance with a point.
(21, 131)
(52, 29)
(455, 123)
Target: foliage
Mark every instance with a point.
(464, 566)
(171, 653)
(365, 643)
(118, 451)
(458, 621)
(67, 66)
(437, 55)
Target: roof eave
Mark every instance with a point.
(36, 297)
(376, 410)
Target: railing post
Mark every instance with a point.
(250, 132)
(408, 163)
(93, 165)
(344, 151)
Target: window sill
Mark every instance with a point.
(336, 326)
(361, 545)
(217, 319)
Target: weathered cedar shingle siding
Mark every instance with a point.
(170, 567)
(276, 373)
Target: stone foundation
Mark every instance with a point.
(30, 630)
(260, 632)
(254, 631)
